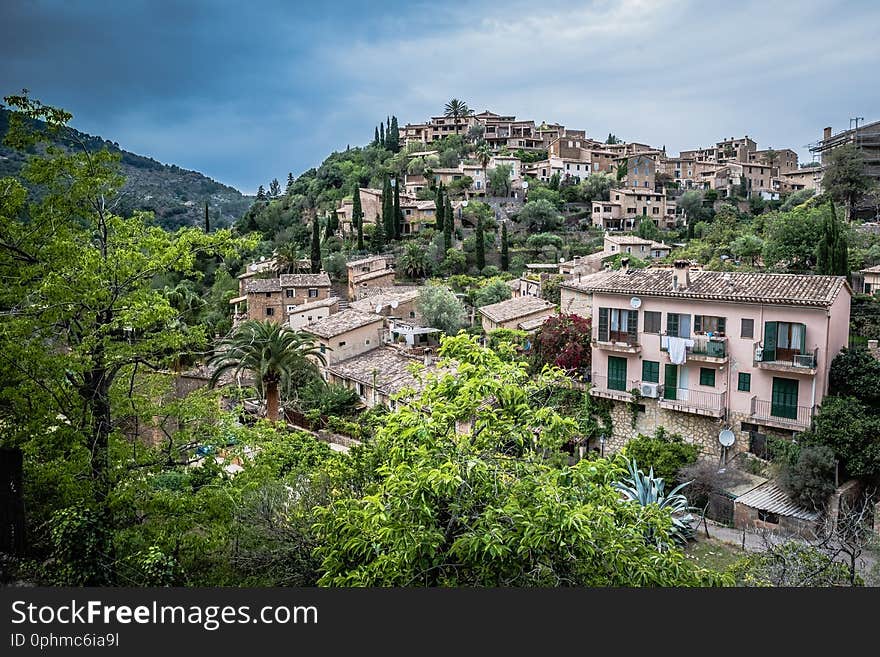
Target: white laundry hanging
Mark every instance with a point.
(677, 348)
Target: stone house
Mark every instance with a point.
(511, 313)
(711, 350)
(391, 303)
(374, 271)
(346, 334)
(307, 313)
(871, 278)
(627, 207)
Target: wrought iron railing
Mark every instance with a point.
(800, 416)
(702, 399)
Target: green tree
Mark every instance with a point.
(277, 356)
(852, 429)
(791, 238)
(541, 241)
(499, 180)
(377, 238)
(855, 373)
(484, 508)
(382, 135)
(316, 245)
(413, 262)
(448, 224)
(393, 139)
(397, 222)
(440, 308)
(648, 230)
(691, 202)
(484, 156)
(663, 452)
(505, 254)
(493, 292)
(275, 188)
(261, 193)
(388, 208)
(357, 215)
(290, 182)
(376, 140)
(596, 187)
(845, 178)
(832, 257)
(439, 208)
(456, 109)
(539, 216)
(748, 247)
(480, 249)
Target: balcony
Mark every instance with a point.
(600, 387)
(795, 418)
(620, 342)
(789, 360)
(705, 349)
(698, 402)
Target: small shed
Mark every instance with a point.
(770, 507)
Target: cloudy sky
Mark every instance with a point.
(245, 92)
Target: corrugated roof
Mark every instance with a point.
(305, 280)
(769, 497)
(347, 320)
(786, 289)
(504, 311)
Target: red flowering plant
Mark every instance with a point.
(564, 341)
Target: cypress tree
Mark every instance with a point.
(394, 136)
(377, 241)
(316, 245)
(387, 208)
(438, 208)
(261, 194)
(376, 137)
(505, 255)
(398, 217)
(833, 256)
(357, 217)
(207, 219)
(448, 224)
(330, 228)
(481, 244)
(382, 135)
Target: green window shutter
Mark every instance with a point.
(672, 324)
(698, 323)
(603, 324)
(651, 371)
(803, 344)
(670, 381)
(722, 325)
(616, 373)
(707, 377)
(632, 326)
(770, 340)
(744, 382)
(783, 402)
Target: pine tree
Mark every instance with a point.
(505, 255)
(382, 135)
(376, 137)
(261, 194)
(398, 217)
(438, 208)
(377, 241)
(448, 224)
(316, 245)
(274, 188)
(357, 217)
(480, 250)
(387, 208)
(394, 136)
(289, 183)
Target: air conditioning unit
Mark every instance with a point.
(650, 390)
(759, 354)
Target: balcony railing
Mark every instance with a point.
(613, 389)
(786, 416)
(700, 402)
(621, 341)
(788, 359)
(705, 347)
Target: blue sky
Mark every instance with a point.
(245, 92)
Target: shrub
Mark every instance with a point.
(664, 452)
(809, 479)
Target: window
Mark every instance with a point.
(651, 371)
(323, 349)
(747, 328)
(289, 293)
(652, 321)
(412, 314)
(709, 324)
(290, 309)
(268, 295)
(270, 312)
(310, 318)
(362, 391)
(744, 382)
(618, 325)
(313, 293)
(655, 209)
(616, 373)
(707, 377)
(678, 325)
(342, 343)
(367, 341)
(766, 516)
(784, 340)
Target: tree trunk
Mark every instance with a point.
(96, 391)
(272, 401)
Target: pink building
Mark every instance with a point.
(708, 350)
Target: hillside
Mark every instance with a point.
(176, 196)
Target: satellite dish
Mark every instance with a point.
(379, 309)
(726, 437)
(635, 302)
(394, 304)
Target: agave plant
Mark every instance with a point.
(647, 489)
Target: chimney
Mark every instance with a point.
(624, 265)
(681, 275)
(827, 133)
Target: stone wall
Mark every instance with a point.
(697, 429)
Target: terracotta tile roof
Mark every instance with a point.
(386, 298)
(786, 289)
(504, 311)
(322, 303)
(339, 323)
(391, 367)
(370, 275)
(258, 285)
(872, 270)
(365, 261)
(533, 324)
(381, 291)
(305, 280)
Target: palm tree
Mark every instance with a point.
(456, 109)
(413, 261)
(287, 258)
(484, 155)
(276, 354)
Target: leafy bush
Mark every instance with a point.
(664, 452)
(809, 479)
